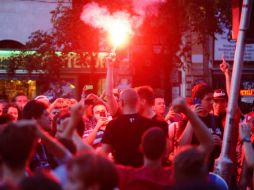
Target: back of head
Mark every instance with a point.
(189, 165)
(147, 93)
(154, 143)
(18, 94)
(44, 99)
(129, 97)
(200, 90)
(94, 170)
(33, 109)
(40, 181)
(16, 143)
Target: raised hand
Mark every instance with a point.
(224, 66)
(244, 130)
(179, 105)
(110, 60)
(77, 110)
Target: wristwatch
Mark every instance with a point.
(246, 139)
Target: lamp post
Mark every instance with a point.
(223, 165)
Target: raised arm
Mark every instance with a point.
(92, 136)
(112, 102)
(76, 114)
(186, 135)
(70, 131)
(244, 132)
(52, 145)
(224, 67)
(199, 128)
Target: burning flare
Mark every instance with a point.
(120, 24)
(119, 32)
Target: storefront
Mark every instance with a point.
(73, 77)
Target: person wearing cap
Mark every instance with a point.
(220, 103)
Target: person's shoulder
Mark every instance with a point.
(123, 119)
(124, 171)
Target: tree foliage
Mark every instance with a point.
(70, 34)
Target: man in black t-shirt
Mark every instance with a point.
(122, 136)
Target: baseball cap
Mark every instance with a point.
(219, 94)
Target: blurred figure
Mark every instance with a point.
(100, 114)
(152, 175)
(72, 102)
(43, 99)
(61, 122)
(247, 181)
(17, 142)
(12, 109)
(202, 104)
(123, 135)
(91, 171)
(88, 119)
(172, 116)
(145, 107)
(190, 167)
(4, 120)
(159, 106)
(20, 100)
(146, 101)
(59, 105)
(220, 103)
(38, 111)
(40, 181)
(191, 172)
(2, 106)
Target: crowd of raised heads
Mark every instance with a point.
(130, 140)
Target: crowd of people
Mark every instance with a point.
(123, 141)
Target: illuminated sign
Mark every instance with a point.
(249, 92)
(74, 60)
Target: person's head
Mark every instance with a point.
(154, 143)
(90, 171)
(17, 142)
(2, 106)
(159, 105)
(99, 110)
(38, 111)
(128, 99)
(203, 94)
(40, 181)
(220, 102)
(54, 112)
(20, 100)
(44, 99)
(146, 97)
(72, 102)
(189, 165)
(60, 122)
(12, 109)
(61, 104)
